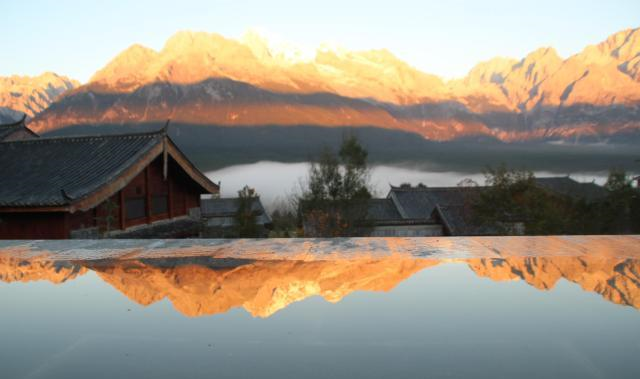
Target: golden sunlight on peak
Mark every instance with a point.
(198, 286)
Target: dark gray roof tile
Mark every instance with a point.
(54, 171)
(6, 132)
(221, 208)
(419, 202)
(569, 187)
(458, 221)
(382, 210)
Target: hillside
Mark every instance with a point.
(31, 95)
(207, 79)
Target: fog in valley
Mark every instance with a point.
(276, 181)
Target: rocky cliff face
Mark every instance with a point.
(31, 95)
(28, 270)
(617, 280)
(203, 286)
(208, 79)
(190, 58)
(261, 288)
(264, 287)
(601, 75)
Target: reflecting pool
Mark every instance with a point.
(512, 307)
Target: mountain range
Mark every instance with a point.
(206, 79)
(197, 286)
(31, 95)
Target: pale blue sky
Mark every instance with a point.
(445, 37)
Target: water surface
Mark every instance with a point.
(403, 308)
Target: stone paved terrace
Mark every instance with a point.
(319, 249)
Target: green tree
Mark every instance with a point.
(334, 202)
(284, 224)
(284, 220)
(245, 217)
(512, 197)
(620, 211)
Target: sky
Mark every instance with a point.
(447, 38)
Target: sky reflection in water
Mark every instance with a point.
(371, 315)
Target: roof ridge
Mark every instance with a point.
(569, 178)
(155, 133)
(443, 188)
(555, 177)
(229, 198)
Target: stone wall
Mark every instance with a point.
(182, 227)
(229, 232)
(406, 231)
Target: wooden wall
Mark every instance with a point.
(33, 226)
(149, 197)
(163, 199)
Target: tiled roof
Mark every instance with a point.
(5, 131)
(420, 202)
(8, 129)
(381, 210)
(457, 221)
(227, 209)
(570, 187)
(54, 172)
(453, 205)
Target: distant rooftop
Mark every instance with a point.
(382, 209)
(452, 206)
(569, 187)
(421, 201)
(222, 212)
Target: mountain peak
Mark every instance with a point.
(32, 94)
(537, 65)
(186, 41)
(616, 49)
(544, 53)
(272, 50)
(257, 43)
(622, 45)
(493, 70)
(127, 70)
(336, 86)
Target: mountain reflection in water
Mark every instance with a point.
(204, 285)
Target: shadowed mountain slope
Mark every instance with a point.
(207, 79)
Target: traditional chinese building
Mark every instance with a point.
(133, 185)
(387, 218)
(422, 210)
(219, 217)
(419, 211)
